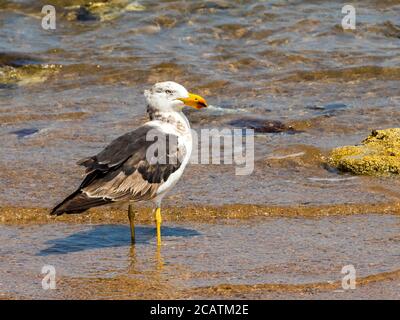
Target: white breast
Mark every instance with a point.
(185, 139)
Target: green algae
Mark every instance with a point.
(378, 154)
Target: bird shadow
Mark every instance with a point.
(109, 236)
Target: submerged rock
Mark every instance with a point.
(379, 154)
(26, 75)
(102, 10)
(262, 125)
(16, 59)
(21, 69)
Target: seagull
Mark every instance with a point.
(143, 164)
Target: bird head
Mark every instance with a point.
(171, 96)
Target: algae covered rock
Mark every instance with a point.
(379, 154)
(26, 75)
(105, 10)
(18, 69)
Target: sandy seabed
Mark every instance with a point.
(231, 251)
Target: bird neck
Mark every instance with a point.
(176, 118)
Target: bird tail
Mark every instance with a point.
(78, 202)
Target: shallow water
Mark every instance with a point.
(286, 69)
(74, 89)
(199, 255)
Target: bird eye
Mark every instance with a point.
(168, 91)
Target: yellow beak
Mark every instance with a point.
(194, 101)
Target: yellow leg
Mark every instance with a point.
(159, 259)
(131, 216)
(158, 225)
